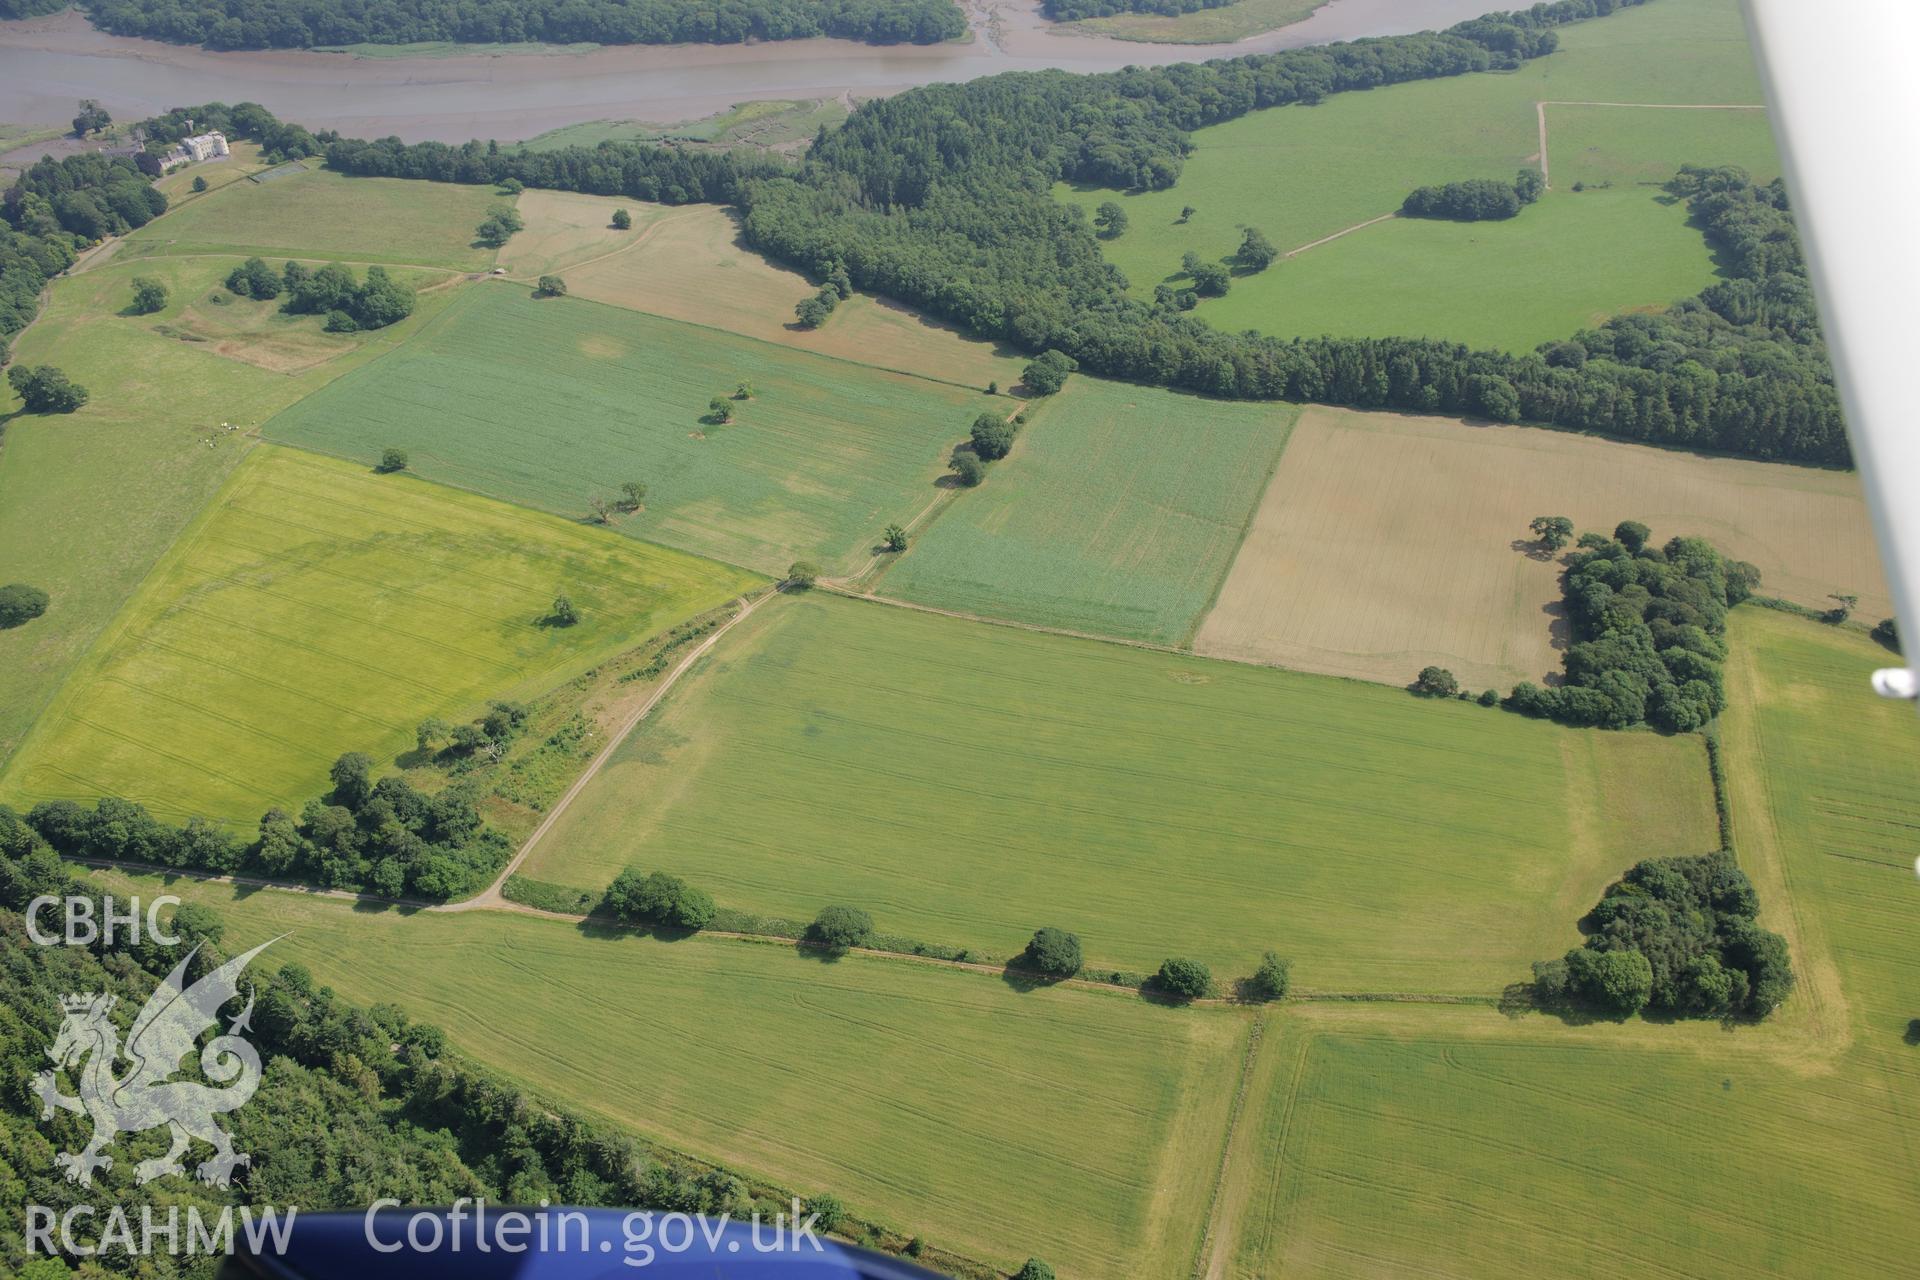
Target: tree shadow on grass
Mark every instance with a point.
(1023, 980)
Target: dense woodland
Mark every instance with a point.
(303, 24)
(354, 1103)
(1650, 627)
(381, 837)
(941, 197)
(1677, 936)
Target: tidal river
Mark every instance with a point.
(46, 64)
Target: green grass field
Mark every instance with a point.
(1069, 1124)
(1304, 172)
(1567, 263)
(89, 501)
(552, 402)
(968, 783)
(318, 608)
(322, 214)
(1443, 1142)
(1117, 513)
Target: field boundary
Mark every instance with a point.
(491, 895)
(1540, 113)
(1210, 1233)
(1246, 526)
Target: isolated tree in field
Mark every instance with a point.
(1047, 372)
(632, 494)
(1843, 607)
(91, 118)
(499, 226)
(1034, 1269)
(563, 613)
(550, 287)
(20, 604)
(1183, 979)
(1187, 212)
(1552, 532)
(839, 928)
(1436, 682)
(969, 470)
(602, 512)
(895, 538)
(1528, 185)
(149, 295)
(622, 220)
(1211, 280)
(802, 574)
(1111, 219)
(1887, 632)
(720, 410)
(45, 389)
(1271, 980)
(993, 388)
(1053, 952)
(199, 184)
(743, 391)
(813, 312)
(1632, 535)
(392, 460)
(992, 436)
(1256, 251)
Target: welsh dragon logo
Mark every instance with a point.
(145, 1096)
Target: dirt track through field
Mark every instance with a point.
(491, 895)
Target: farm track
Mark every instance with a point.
(491, 895)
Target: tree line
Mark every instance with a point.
(1074, 10)
(380, 837)
(354, 1104)
(941, 197)
(1676, 935)
(304, 24)
(1650, 627)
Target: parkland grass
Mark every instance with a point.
(1387, 542)
(1301, 173)
(320, 213)
(89, 501)
(1445, 1142)
(1071, 1124)
(689, 263)
(969, 783)
(554, 402)
(318, 608)
(1117, 514)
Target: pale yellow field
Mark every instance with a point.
(1388, 542)
(688, 263)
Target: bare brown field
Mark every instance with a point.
(1387, 542)
(688, 263)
